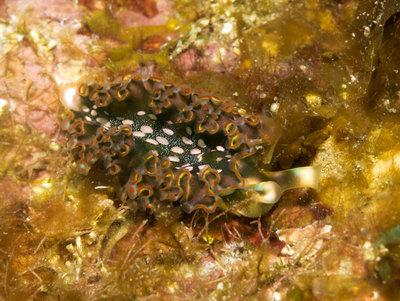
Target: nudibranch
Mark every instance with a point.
(166, 143)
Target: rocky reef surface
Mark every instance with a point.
(325, 71)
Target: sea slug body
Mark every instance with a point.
(167, 143)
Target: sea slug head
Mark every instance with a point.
(262, 193)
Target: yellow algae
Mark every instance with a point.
(271, 48)
(327, 22)
(314, 100)
(3, 105)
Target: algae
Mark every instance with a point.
(325, 71)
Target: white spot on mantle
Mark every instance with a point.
(146, 129)
(177, 149)
(162, 140)
(168, 131)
